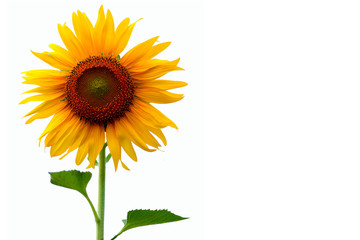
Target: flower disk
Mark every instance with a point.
(99, 89)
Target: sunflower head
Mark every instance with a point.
(96, 94)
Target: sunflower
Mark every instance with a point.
(93, 95)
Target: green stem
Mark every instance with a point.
(101, 196)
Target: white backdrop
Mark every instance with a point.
(281, 124)
(282, 110)
(172, 179)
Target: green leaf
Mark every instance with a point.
(139, 218)
(118, 57)
(73, 179)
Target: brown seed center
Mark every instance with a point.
(99, 89)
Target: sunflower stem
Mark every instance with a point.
(101, 196)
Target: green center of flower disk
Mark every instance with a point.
(99, 89)
(98, 86)
(95, 85)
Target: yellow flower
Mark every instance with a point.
(96, 94)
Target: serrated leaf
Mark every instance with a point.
(73, 179)
(139, 218)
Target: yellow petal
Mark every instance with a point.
(98, 31)
(113, 144)
(49, 139)
(67, 56)
(81, 137)
(45, 73)
(142, 66)
(44, 90)
(143, 131)
(96, 143)
(46, 84)
(44, 97)
(124, 166)
(121, 28)
(56, 136)
(157, 96)
(148, 118)
(83, 149)
(156, 72)
(137, 52)
(45, 106)
(64, 128)
(56, 121)
(86, 22)
(162, 84)
(133, 135)
(53, 60)
(81, 153)
(124, 141)
(51, 83)
(83, 32)
(66, 140)
(71, 42)
(122, 38)
(156, 49)
(45, 110)
(108, 34)
(151, 110)
(159, 134)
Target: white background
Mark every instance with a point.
(279, 153)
